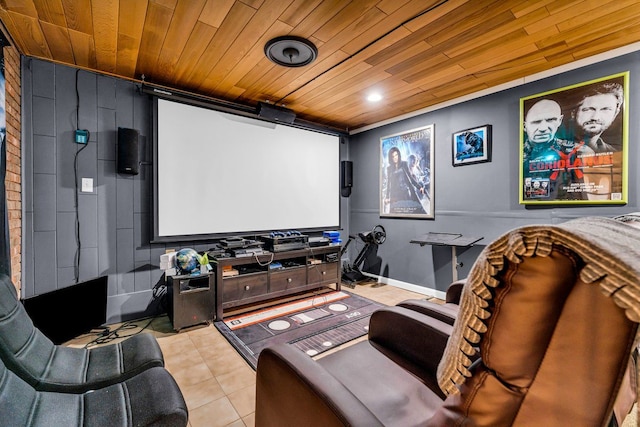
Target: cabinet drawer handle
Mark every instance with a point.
(289, 280)
(324, 272)
(247, 287)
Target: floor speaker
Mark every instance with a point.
(193, 300)
(127, 151)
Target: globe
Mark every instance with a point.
(187, 260)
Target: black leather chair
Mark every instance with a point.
(151, 398)
(48, 367)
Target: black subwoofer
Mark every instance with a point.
(193, 300)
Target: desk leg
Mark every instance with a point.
(454, 264)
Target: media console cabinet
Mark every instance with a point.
(255, 280)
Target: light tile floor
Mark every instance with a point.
(217, 384)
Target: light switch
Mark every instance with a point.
(87, 185)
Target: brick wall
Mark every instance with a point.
(13, 176)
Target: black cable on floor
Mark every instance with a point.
(108, 336)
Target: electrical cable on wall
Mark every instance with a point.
(76, 264)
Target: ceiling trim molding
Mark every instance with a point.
(634, 47)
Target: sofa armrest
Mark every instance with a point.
(412, 339)
(446, 313)
(292, 389)
(454, 291)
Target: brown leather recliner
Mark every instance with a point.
(554, 311)
(446, 312)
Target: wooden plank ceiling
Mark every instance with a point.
(416, 53)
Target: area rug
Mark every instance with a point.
(313, 325)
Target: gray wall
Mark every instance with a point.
(116, 219)
(481, 199)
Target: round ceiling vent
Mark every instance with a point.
(291, 51)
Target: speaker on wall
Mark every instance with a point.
(346, 177)
(127, 160)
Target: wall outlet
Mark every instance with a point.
(87, 185)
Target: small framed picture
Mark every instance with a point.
(472, 146)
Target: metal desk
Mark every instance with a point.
(454, 240)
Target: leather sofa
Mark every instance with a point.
(446, 312)
(553, 310)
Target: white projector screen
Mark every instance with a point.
(222, 174)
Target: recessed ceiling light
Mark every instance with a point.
(374, 97)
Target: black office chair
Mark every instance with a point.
(151, 398)
(48, 367)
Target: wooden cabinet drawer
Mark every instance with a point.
(290, 278)
(322, 273)
(244, 286)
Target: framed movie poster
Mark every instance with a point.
(472, 146)
(573, 144)
(406, 174)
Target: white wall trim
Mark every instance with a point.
(514, 83)
(408, 286)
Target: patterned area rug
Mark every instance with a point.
(312, 325)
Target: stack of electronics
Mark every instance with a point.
(318, 241)
(218, 251)
(328, 238)
(280, 241)
(237, 247)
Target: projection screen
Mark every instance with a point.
(224, 174)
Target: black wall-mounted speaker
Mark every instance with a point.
(127, 160)
(346, 173)
(277, 114)
(346, 177)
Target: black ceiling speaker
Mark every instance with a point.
(275, 113)
(291, 51)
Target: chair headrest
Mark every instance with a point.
(608, 248)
